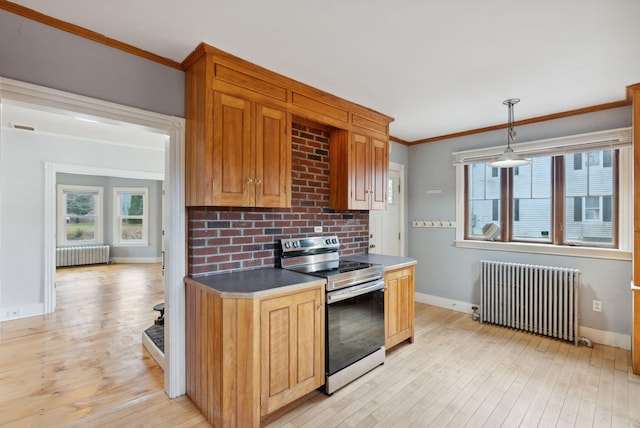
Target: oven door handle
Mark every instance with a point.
(355, 291)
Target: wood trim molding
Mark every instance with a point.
(87, 34)
(544, 118)
(399, 140)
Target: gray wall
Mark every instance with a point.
(155, 210)
(35, 53)
(23, 155)
(449, 272)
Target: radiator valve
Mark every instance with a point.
(475, 315)
(586, 342)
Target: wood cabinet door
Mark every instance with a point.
(273, 158)
(291, 346)
(399, 306)
(360, 164)
(379, 171)
(232, 151)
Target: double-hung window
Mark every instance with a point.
(131, 216)
(79, 215)
(575, 193)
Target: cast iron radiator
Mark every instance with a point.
(82, 255)
(537, 299)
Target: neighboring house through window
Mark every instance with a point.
(571, 194)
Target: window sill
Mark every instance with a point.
(557, 250)
(133, 244)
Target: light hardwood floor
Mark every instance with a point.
(85, 366)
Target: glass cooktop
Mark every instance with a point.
(333, 267)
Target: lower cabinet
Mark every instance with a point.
(292, 347)
(246, 358)
(399, 301)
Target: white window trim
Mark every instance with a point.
(615, 139)
(62, 215)
(117, 222)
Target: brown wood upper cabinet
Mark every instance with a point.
(238, 136)
(251, 154)
(358, 171)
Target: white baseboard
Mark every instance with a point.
(442, 302)
(609, 338)
(136, 259)
(24, 311)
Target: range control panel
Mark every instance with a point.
(304, 245)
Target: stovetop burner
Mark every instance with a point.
(342, 266)
(318, 256)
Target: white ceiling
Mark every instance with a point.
(437, 67)
(17, 115)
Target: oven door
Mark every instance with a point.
(355, 324)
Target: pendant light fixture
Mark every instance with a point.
(510, 159)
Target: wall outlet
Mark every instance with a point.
(13, 313)
(597, 306)
(317, 229)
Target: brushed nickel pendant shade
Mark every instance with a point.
(510, 159)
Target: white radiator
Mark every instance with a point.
(537, 299)
(84, 255)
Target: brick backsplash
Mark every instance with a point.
(225, 239)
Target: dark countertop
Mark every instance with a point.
(250, 284)
(389, 262)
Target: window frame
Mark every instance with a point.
(117, 216)
(622, 214)
(61, 233)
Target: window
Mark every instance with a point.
(575, 198)
(484, 198)
(590, 200)
(79, 215)
(577, 161)
(534, 192)
(130, 220)
(532, 201)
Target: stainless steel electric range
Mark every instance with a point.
(354, 341)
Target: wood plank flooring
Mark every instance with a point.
(459, 373)
(84, 366)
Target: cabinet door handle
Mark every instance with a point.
(258, 181)
(320, 306)
(249, 180)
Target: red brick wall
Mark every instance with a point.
(223, 239)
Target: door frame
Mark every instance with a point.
(399, 168)
(173, 206)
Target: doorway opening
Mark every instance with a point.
(43, 243)
(387, 228)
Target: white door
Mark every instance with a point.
(386, 228)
